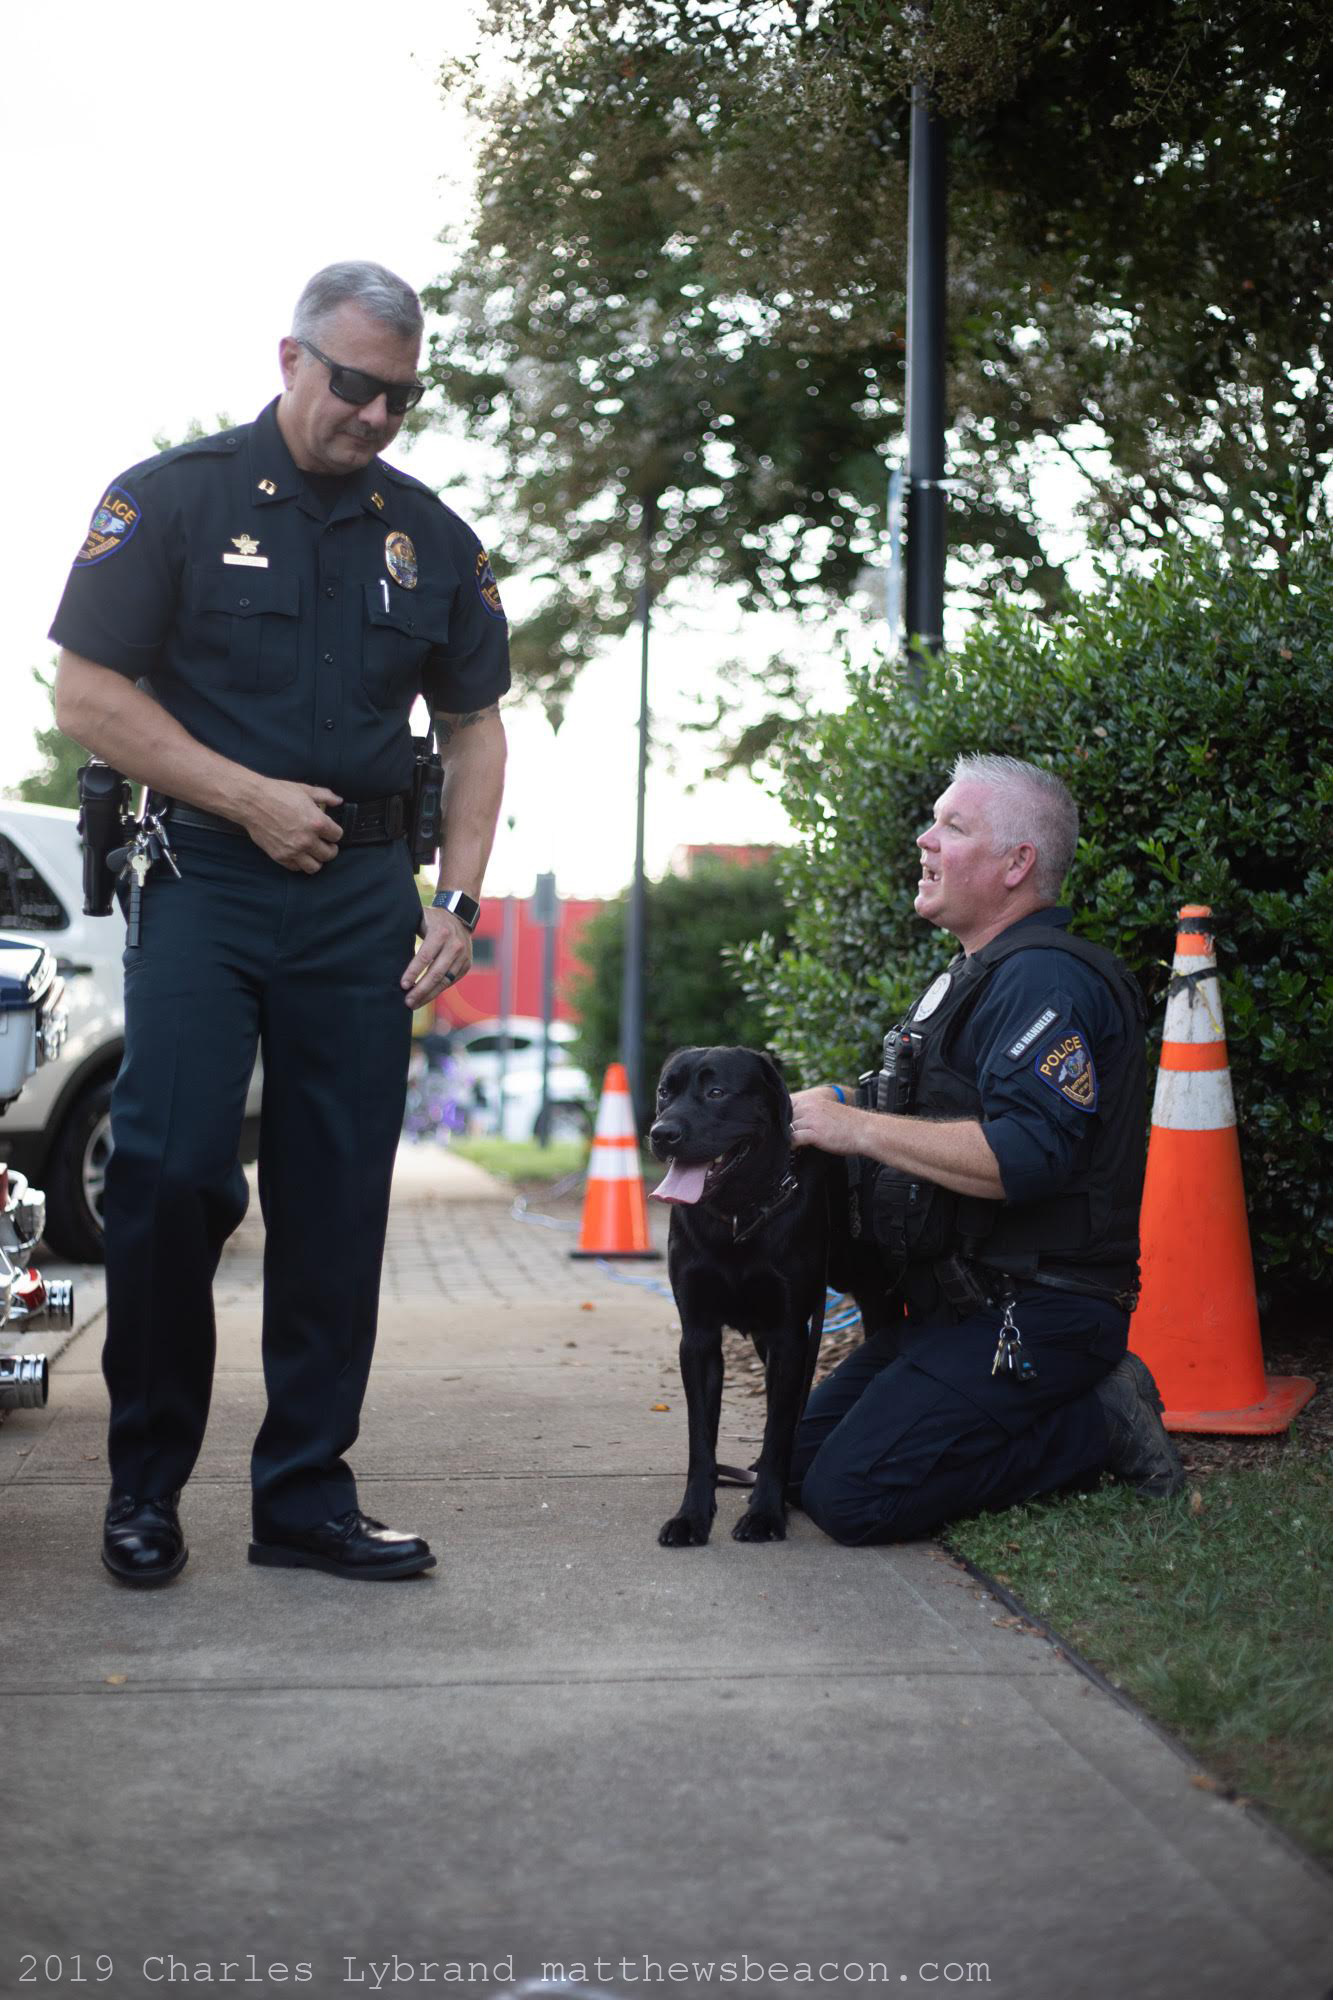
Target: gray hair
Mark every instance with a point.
(379, 292)
(1030, 804)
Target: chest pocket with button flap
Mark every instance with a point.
(243, 629)
(397, 637)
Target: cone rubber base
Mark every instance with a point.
(621, 1256)
(1287, 1394)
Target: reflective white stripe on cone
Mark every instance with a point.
(1197, 1321)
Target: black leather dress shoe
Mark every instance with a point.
(352, 1545)
(142, 1543)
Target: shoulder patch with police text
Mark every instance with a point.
(1029, 1035)
(115, 520)
(487, 588)
(1068, 1069)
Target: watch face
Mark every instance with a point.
(459, 904)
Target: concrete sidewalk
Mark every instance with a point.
(567, 1745)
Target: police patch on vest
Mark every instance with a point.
(1029, 1035)
(932, 997)
(487, 588)
(112, 525)
(1067, 1068)
(400, 559)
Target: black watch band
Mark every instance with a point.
(459, 904)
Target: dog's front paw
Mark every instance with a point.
(685, 1531)
(761, 1524)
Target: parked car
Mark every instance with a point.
(477, 1048)
(58, 1132)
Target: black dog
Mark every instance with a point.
(749, 1248)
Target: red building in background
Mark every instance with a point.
(478, 998)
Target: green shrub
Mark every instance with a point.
(1189, 711)
(692, 990)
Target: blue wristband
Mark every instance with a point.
(837, 1090)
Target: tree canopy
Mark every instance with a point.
(683, 283)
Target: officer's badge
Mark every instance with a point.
(487, 588)
(1068, 1069)
(111, 527)
(932, 997)
(400, 559)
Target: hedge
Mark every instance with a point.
(1189, 711)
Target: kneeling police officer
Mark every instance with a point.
(245, 630)
(996, 1160)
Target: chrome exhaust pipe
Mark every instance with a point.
(23, 1381)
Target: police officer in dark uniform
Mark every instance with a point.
(996, 1161)
(245, 630)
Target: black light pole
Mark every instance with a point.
(631, 998)
(926, 254)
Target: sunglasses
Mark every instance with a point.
(353, 385)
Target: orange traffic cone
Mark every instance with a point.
(615, 1215)
(1197, 1323)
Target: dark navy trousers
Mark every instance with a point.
(241, 954)
(912, 1430)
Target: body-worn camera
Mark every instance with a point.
(104, 814)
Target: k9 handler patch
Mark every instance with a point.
(1067, 1068)
(114, 522)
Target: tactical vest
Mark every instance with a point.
(1092, 1224)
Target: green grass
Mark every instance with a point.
(1213, 1610)
(524, 1159)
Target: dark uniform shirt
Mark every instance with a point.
(281, 632)
(1036, 1043)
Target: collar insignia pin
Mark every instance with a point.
(377, 500)
(267, 486)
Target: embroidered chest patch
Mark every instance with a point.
(111, 527)
(1067, 1067)
(932, 997)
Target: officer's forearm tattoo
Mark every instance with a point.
(448, 726)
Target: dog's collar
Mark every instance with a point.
(786, 1188)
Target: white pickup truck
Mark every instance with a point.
(58, 1132)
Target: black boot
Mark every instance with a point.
(142, 1543)
(1140, 1452)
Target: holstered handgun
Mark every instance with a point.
(104, 812)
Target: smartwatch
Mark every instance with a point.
(459, 904)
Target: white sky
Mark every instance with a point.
(173, 175)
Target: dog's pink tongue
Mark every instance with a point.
(681, 1183)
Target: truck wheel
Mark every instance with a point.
(75, 1176)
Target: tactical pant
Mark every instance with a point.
(241, 954)
(912, 1429)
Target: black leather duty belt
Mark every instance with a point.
(365, 822)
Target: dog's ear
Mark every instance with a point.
(771, 1077)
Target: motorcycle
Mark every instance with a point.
(32, 1031)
